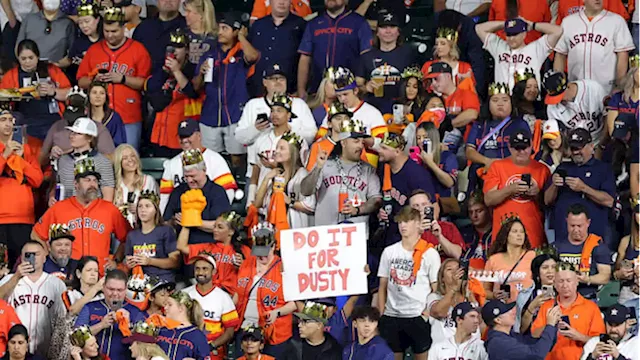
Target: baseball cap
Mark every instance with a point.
(205, 257)
(616, 314)
(550, 129)
(313, 311)
(438, 68)
(556, 84)
(263, 239)
(273, 70)
(161, 284)
(622, 125)
(253, 332)
(188, 127)
(520, 139)
(85, 126)
(60, 231)
(385, 18)
(462, 309)
(514, 27)
(494, 308)
(578, 138)
(231, 18)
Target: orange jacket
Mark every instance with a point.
(536, 11)
(8, 318)
(227, 274)
(270, 297)
(18, 177)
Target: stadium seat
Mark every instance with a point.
(153, 167)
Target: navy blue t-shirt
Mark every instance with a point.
(159, 243)
(497, 145)
(571, 253)
(448, 164)
(154, 34)
(62, 272)
(39, 114)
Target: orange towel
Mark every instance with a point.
(161, 321)
(420, 248)
(386, 179)
(475, 286)
(123, 324)
(251, 220)
(277, 214)
(234, 50)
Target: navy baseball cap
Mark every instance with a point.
(520, 139)
(231, 18)
(578, 138)
(462, 309)
(439, 68)
(273, 70)
(514, 27)
(616, 314)
(494, 308)
(254, 333)
(386, 18)
(622, 125)
(188, 127)
(329, 301)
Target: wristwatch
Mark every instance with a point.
(214, 348)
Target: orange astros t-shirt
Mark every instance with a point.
(504, 172)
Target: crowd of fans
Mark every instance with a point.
(497, 181)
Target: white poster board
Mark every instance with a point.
(324, 261)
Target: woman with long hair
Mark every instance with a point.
(446, 50)
(182, 337)
(151, 244)
(229, 249)
(143, 342)
(130, 181)
(47, 83)
(443, 165)
(627, 100)
(85, 345)
(200, 16)
(18, 345)
(412, 98)
(528, 106)
(626, 269)
(433, 111)
(287, 176)
(543, 270)
(322, 100)
(98, 110)
(510, 258)
(451, 290)
(553, 147)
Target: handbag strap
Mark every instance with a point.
(263, 275)
(514, 267)
(492, 132)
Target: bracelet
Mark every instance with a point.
(358, 211)
(533, 27)
(124, 79)
(529, 311)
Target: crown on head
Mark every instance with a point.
(316, 311)
(343, 79)
(183, 298)
(394, 140)
(58, 231)
(447, 33)
(178, 37)
(281, 100)
(87, 9)
(151, 196)
(76, 90)
(352, 126)
(292, 138)
(233, 219)
(145, 328)
(113, 14)
(564, 265)
(84, 166)
(263, 234)
(80, 335)
(547, 250)
(498, 88)
(524, 74)
(329, 73)
(412, 71)
(634, 61)
(336, 108)
(509, 217)
(6, 106)
(192, 157)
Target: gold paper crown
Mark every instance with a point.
(523, 75)
(394, 140)
(447, 33)
(151, 196)
(87, 9)
(263, 234)
(635, 201)
(80, 335)
(233, 219)
(192, 157)
(84, 166)
(292, 138)
(498, 88)
(343, 79)
(634, 61)
(547, 250)
(59, 231)
(316, 311)
(145, 328)
(412, 71)
(563, 265)
(329, 73)
(281, 100)
(182, 298)
(352, 126)
(252, 329)
(509, 217)
(178, 37)
(113, 14)
(338, 108)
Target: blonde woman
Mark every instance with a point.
(446, 50)
(625, 101)
(143, 343)
(200, 16)
(186, 339)
(130, 181)
(321, 101)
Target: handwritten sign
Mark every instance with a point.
(324, 261)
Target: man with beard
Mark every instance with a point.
(59, 262)
(90, 220)
(220, 315)
(585, 180)
(616, 343)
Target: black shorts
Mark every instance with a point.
(402, 333)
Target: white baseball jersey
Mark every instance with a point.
(266, 144)
(585, 111)
(217, 170)
(71, 296)
(628, 347)
(509, 61)
(472, 349)
(442, 329)
(591, 46)
(370, 117)
(38, 305)
(219, 311)
(465, 6)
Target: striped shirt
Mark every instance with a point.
(66, 165)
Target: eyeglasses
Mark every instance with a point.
(47, 29)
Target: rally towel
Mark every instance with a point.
(277, 215)
(592, 241)
(161, 321)
(476, 288)
(123, 324)
(418, 251)
(232, 53)
(251, 220)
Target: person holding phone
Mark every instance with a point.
(529, 300)
(626, 268)
(35, 295)
(514, 186)
(20, 175)
(101, 318)
(442, 165)
(617, 341)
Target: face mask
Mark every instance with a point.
(51, 5)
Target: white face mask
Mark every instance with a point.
(51, 5)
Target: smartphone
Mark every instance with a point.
(506, 288)
(30, 257)
(428, 213)
(562, 173)
(116, 305)
(103, 71)
(414, 154)
(427, 146)
(262, 117)
(18, 134)
(131, 198)
(548, 289)
(398, 113)
(604, 338)
(526, 178)
(170, 53)
(627, 264)
(565, 319)
(464, 264)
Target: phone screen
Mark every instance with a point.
(565, 318)
(116, 305)
(526, 178)
(18, 134)
(428, 213)
(30, 257)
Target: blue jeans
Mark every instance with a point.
(134, 134)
